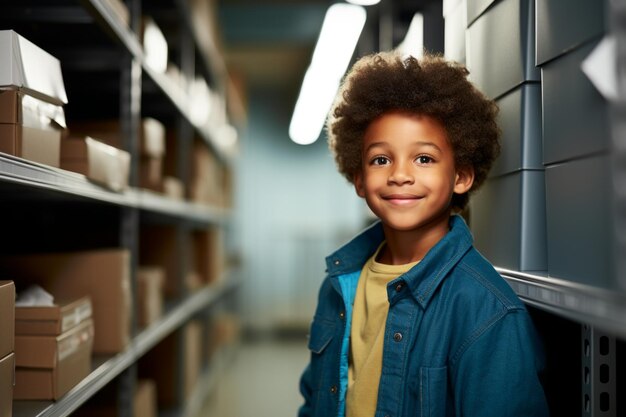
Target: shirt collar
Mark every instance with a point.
(423, 278)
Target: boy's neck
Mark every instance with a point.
(403, 247)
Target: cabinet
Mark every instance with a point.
(110, 79)
(551, 215)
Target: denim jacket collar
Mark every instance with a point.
(423, 278)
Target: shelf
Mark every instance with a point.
(106, 369)
(19, 171)
(24, 173)
(175, 94)
(157, 203)
(582, 303)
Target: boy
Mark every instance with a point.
(411, 319)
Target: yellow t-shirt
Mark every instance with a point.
(369, 315)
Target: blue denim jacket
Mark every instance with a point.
(458, 341)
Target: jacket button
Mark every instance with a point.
(342, 314)
(397, 336)
(337, 262)
(399, 287)
(333, 389)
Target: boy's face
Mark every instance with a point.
(408, 173)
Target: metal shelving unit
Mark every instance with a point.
(23, 182)
(178, 97)
(106, 369)
(31, 175)
(581, 303)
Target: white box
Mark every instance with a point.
(24, 65)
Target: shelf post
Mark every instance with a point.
(130, 117)
(598, 373)
(617, 13)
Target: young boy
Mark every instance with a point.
(411, 319)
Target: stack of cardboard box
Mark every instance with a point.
(7, 357)
(32, 95)
(53, 346)
(103, 275)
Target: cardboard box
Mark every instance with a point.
(52, 320)
(151, 173)
(208, 254)
(145, 399)
(34, 144)
(173, 188)
(154, 45)
(7, 317)
(25, 65)
(151, 134)
(17, 107)
(161, 364)
(150, 281)
(193, 356)
(7, 381)
(49, 366)
(207, 176)
(103, 275)
(157, 247)
(223, 334)
(96, 160)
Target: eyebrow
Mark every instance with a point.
(420, 143)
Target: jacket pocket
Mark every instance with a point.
(433, 391)
(321, 334)
(320, 337)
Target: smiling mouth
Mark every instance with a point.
(401, 199)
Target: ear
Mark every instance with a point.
(359, 187)
(463, 180)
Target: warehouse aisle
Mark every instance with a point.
(263, 381)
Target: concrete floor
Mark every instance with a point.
(262, 381)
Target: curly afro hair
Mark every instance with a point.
(430, 86)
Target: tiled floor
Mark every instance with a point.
(262, 381)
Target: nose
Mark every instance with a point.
(400, 174)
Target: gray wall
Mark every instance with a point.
(292, 209)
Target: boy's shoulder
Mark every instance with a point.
(475, 277)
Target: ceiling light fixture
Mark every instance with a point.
(364, 2)
(413, 43)
(340, 33)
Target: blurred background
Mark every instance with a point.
(172, 154)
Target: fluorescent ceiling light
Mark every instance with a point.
(340, 33)
(364, 2)
(413, 43)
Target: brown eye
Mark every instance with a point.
(380, 160)
(423, 159)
